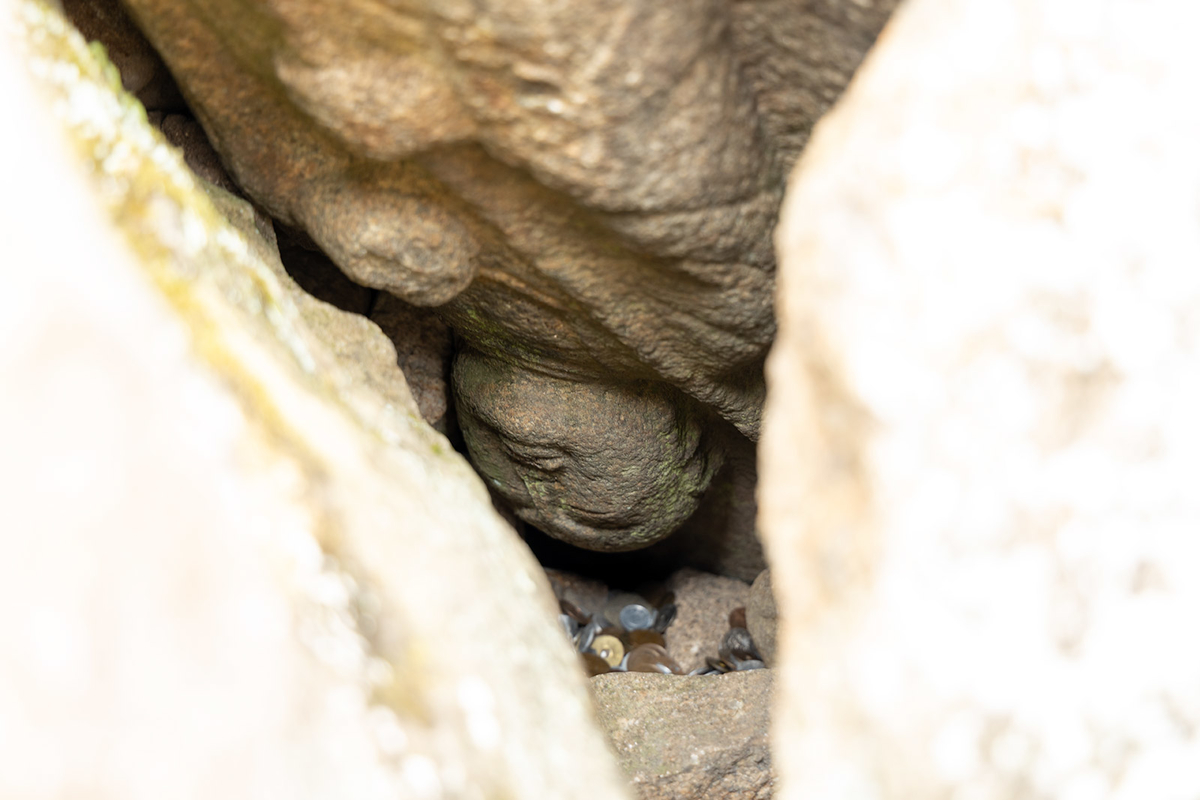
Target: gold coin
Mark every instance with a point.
(609, 648)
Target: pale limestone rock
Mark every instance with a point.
(982, 440)
(233, 564)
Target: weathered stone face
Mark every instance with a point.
(607, 467)
(586, 189)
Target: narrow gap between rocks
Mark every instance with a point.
(683, 605)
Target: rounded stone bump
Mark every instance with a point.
(390, 238)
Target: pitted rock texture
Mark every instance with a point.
(703, 737)
(591, 204)
(586, 460)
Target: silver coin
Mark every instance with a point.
(636, 617)
(586, 634)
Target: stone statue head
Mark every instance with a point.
(604, 466)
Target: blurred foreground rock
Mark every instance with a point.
(982, 442)
(701, 737)
(235, 562)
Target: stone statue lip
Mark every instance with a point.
(600, 531)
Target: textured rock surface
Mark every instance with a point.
(593, 207)
(424, 349)
(720, 537)
(762, 617)
(704, 603)
(225, 552)
(981, 448)
(603, 466)
(702, 737)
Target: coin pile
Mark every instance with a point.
(627, 635)
(736, 652)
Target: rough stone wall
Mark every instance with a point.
(981, 442)
(235, 563)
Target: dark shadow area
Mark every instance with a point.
(318, 275)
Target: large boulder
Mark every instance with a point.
(586, 190)
(236, 563)
(982, 444)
